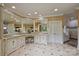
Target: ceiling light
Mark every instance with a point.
(36, 12)
(13, 7)
(29, 14)
(56, 9)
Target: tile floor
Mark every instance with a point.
(46, 50)
(73, 42)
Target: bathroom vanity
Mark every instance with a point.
(14, 42)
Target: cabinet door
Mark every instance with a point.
(55, 31)
(35, 39)
(42, 39)
(50, 27)
(16, 41)
(10, 46)
(51, 31)
(58, 32)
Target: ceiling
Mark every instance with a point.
(44, 9)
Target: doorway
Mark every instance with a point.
(73, 33)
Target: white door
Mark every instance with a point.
(50, 32)
(55, 31)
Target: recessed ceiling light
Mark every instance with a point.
(13, 7)
(29, 14)
(36, 12)
(56, 9)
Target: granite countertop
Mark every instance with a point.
(10, 36)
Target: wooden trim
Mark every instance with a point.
(14, 13)
(77, 14)
(18, 15)
(54, 17)
(15, 50)
(61, 18)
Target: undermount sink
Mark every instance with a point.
(16, 35)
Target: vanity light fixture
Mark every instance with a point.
(56, 9)
(13, 7)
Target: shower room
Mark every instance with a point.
(71, 32)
